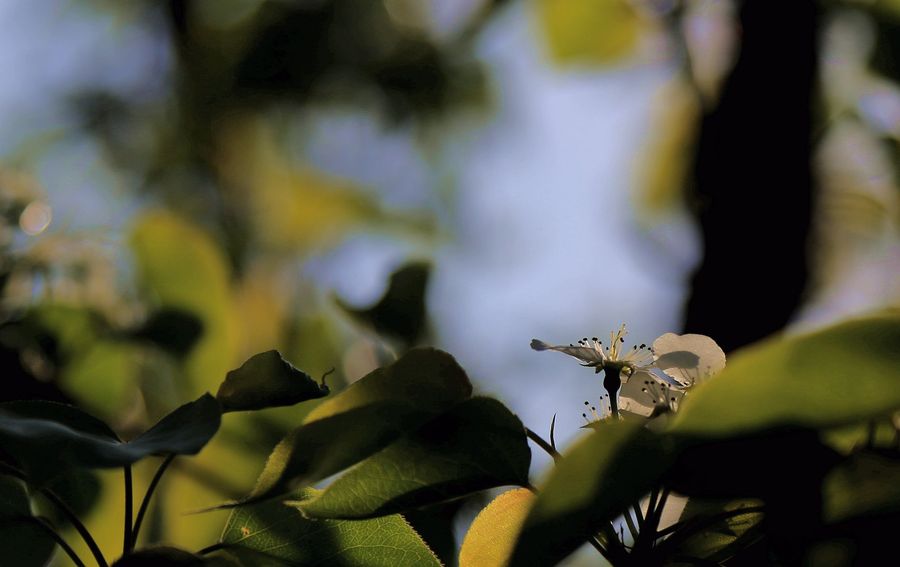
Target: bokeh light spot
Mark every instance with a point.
(35, 218)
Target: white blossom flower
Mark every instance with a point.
(651, 380)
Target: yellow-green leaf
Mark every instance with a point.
(489, 541)
(588, 32)
(182, 268)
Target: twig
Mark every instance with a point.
(539, 441)
(127, 541)
(145, 503)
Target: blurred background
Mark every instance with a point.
(184, 183)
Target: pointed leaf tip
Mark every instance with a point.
(267, 380)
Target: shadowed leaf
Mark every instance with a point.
(602, 474)
(270, 533)
(476, 445)
(400, 313)
(267, 380)
(835, 376)
(24, 544)
(366, 417)
(46, 438)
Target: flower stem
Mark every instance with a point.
(145, 503)
(539, 441)
(57, 538)
(612, 381)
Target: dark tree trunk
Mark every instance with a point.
(753, 181)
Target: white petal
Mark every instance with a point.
(582, 353)
(632, 406)
(690, 359)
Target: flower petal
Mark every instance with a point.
(645, 392)
(690, 359)
(585, 354)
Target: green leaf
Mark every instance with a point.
(270, 533)
(183, 268)
(866, 484)
(489, 541)
(595, 481)
(174, 330)
(589, 32)
(366, 417)
(401, 311)
(267, 380)
(719, 540)
(45, 437)
(479, 444)
(183, 432)
(24, 543)
(836, 376)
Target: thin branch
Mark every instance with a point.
(209, 549)
(145, 503)
(638, 514)
(127, 540)
(539, 441)
(630, 523)
(70, 515)
(57, 538)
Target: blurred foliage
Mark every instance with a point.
(789, 456)
(589, 32)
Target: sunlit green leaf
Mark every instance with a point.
(588, 32)
(267, 380)
(603, 473)
(104, 377)
(270, 533)
(841, 374)
(366, 417)
(24, 543)
(490, 539)
(477, 445)
(46, 437)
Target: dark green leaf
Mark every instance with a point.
(267, 380)
(865, 484)
(366, 417)
(45, 438)
(173, 330)
(270, 533)
(24, 544)
(477, 445)
(183, 432)
(400, 313)
(594, 482)
(836, 376)
(711, 533)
